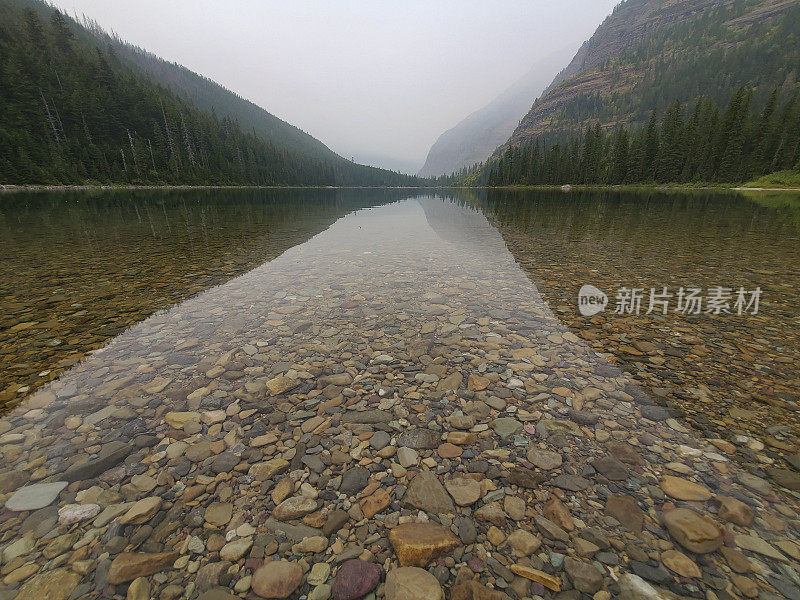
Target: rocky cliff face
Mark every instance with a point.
(679, 49)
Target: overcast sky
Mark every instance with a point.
(377, 80)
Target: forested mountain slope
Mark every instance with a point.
(649, 53)
(73, 110)
(474, 139)
(209, 95)
(734, 144)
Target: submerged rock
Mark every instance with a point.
(425, 492)
(36, 496)
(417, 544)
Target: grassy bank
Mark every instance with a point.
(781, 179)
(753, 186)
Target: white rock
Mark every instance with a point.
(75, 513)
(633, 587)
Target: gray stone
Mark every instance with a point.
(543, 459)
(367, 417)
(425, 492)
(584, 576)
(354, 480)
(12, 480)
(467, 531)
(380, 440)
(407, 457)
(224, 462)
(110, 456)
(633, 587)
(293, 532)
(572, 483)
(314, 463)
(611, 468)
(419, 439)
(506, 427)
(19, 547)
(655, 413)
(36, 496)
(550, 530)
(584, 417)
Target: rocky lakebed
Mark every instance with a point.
(389, 410)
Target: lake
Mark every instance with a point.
(208, 380)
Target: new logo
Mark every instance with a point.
(591, 300)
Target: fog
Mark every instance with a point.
(376, 80)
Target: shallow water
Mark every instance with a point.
(735, 374)
(66, 258)
(445, 326)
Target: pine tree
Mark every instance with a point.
(731, 141)
(672, 147)
(62, 32)
(651, 148)
(621, 156)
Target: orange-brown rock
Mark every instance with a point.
(735, 511)
(130, 565)
(747, 587)
(464, 490)
(555, 510)
(277, 579)
(477, 383)
(737, 561)
(682, 489)
(372, 505)
(417, 544)
(411, 583)
(473, 590)
(693, 531)
(551, 582)
(57, 584)
(462, 438)
(625, 510)
(316, 519)
(680, 564)
(448, 450)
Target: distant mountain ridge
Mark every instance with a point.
(650, 53)
(474, 138)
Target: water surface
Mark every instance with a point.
(331, 350)
(78, 268)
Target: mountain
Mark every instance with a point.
(667, 91)
(77, 106)
(474, 139)
(209, 95)
(650, 53)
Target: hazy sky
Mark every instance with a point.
(377, 80)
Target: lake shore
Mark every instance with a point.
(616, 188)
(639, 188)
(636, 188)
(70, 188)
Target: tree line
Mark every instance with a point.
(704, 144)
